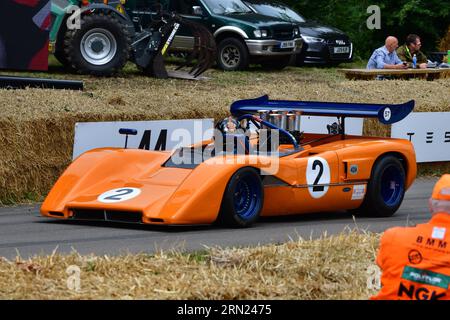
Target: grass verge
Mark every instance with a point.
(334, 267)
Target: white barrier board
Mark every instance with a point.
(429, 132)
(151, 135)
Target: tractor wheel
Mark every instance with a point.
(60, 56)
(243, 199)
(100, 47)
(232, 55)
(386, 188)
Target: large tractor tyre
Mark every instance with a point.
(59, 47)
(278, 63)
(243, 199)
(232, 55)
(386, 188)
(100, 47)
(59, 55)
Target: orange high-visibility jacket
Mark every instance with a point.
(415, 261)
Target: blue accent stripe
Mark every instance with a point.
(395, 113)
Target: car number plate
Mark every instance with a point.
(342, 50)
(287, 44)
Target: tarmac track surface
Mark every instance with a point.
(24, 232)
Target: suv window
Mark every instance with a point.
(227, 6)
(185, 6)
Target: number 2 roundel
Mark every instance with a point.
(318, 176)
(119, 195)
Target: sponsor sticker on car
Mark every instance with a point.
(358, 192)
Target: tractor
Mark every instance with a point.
(99, 37)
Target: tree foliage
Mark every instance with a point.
(428, 18)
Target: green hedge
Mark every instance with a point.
(427, 18)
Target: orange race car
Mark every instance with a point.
(257, 164)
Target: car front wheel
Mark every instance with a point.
(243, 199)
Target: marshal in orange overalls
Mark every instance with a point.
(416, 261)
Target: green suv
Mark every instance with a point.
(242, 36)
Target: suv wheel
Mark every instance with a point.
(232, 55)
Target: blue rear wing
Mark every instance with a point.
(386, 113)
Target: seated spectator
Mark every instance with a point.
(411, 48)
(386, 57)
(415, 261)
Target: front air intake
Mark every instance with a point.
(107, 215)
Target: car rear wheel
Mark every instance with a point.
(243, 199)
(386, 188)
(232, 55)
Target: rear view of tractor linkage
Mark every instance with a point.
(153, 43)
(109, 34)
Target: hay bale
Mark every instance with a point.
(328, 268)
(37, 126)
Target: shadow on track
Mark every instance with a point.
(263, 222)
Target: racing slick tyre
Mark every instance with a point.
(243, 199)
(100, 47)
(232, 55)
(386, 188)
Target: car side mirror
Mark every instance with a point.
(197, 11)
(127, 132)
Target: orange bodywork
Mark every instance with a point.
(179, 196)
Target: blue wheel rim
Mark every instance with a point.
(392, 186)
(247, 197)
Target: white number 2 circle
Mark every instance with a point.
(318, 177)
(119, 195)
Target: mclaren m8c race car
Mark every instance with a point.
(257, 163)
